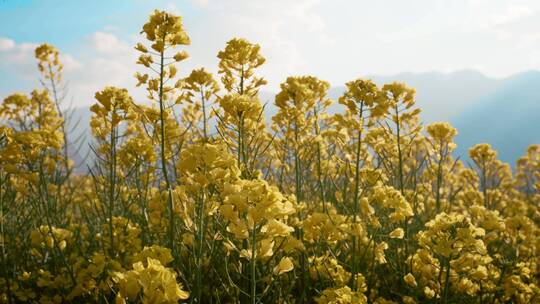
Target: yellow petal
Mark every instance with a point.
(285, 265)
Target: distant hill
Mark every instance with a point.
(442, 96)
(503, 112)
(508, 117)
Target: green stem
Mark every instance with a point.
(203, 101)
(4, 255)
(200, 244)
(64, 133)
(319, 167)
(356, 200)
(439, 179)
(400, 156)
(253, 267)
(447, 281)
(163, 160)
(112, 182)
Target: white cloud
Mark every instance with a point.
(172, 8)
(478, 2)
(530, 40)
(6, 44)
(284, 29)
(200, 3)
(500, 20)
(17, 59)
(510, 14)
(104, 60)
(107, 43)
(70, 63)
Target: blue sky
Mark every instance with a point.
(65, 23)
(336, 40)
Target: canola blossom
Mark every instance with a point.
(195, 197)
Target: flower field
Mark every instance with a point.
(194, 196)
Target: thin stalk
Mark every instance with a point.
(203, 101)
(253, 267)
(439, 179)
(240, 139)
(400, 156)
(241, 134)
(319, 168)
(297, 177)
(45, 198)
(447, 280)
(356, 199)
(484, 184)
(162, 146)
(200, 244)
(299, 198)
(64, 133)
(4, 255)
(112, 182)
